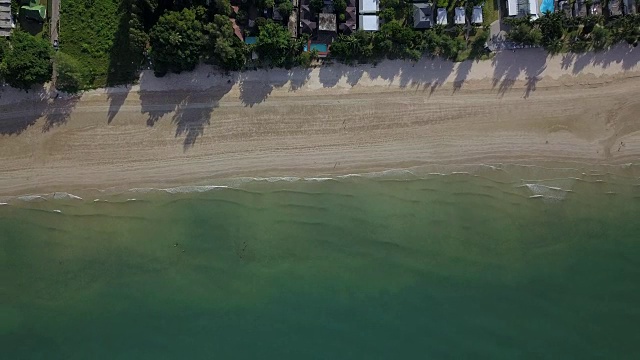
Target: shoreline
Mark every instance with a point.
(196, 127)
(546, 174)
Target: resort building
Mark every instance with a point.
(369, 7)
(533, 9)
(512, 7)
(580, 8)
(349, 26)
(422, 16)
(596, 8)
(6, 20)
(369, 22)
(522, 8)
(442, 17)
(459, 17)
(307, 25)
(327, 22)
(368, 15)
(614, 8)
(630, 7)
(476, 15)
(565, 7)
(34, 11)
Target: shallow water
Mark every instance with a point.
(496, 263)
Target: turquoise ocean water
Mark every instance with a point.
(496, 263)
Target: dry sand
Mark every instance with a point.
(193, 128)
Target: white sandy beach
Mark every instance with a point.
(192, 128)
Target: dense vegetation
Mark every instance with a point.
(398, 40)
(558, 33)
(25, 61)
(106, 42)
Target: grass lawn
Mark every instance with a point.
(490, 11)
(95, 32)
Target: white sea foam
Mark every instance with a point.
(547, 192)
(319, 179)
(64, 195)
(31, 198)
(179, 189)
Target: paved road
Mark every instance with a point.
(55, 18)
(54, 26)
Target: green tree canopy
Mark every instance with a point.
(316, 6)
(285, 8)
(176, 42)
(224, 48)
(276, 46)
(355, 47)
(339, 6)
(552, 27)
(397, 41)
(223, 7)
(524, 32)
(28, 62)
(71, 74)
(601, 38)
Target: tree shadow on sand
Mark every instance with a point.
(462, 71)
(191, 110)
(117, 97)
(18, 117)
(124, 62)
(626, 55)
(509, 66)
(427, 73)
(58, 112)
(256, 86)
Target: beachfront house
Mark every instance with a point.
(614, 8)
(422, 16)
(512, 8)
(368, 7)
(533, 9)
(349, 25)
(34, 11)
(441, 19)
(580, 8)
(327, 22)
(369, 22)
(565, 7)
(6, 20)
(307, 25)
(459, 17)
(368, 15)
(523, 8)
(476, 15)
(596, 8)
(630, 7)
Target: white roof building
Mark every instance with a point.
(6, 20)
(442, 16)
(533, 9)
(512, 7)
(459, 16)
(368, 6)
(476, 16)
(369, 23)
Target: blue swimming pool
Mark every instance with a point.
(321, 48)
(547, 5)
